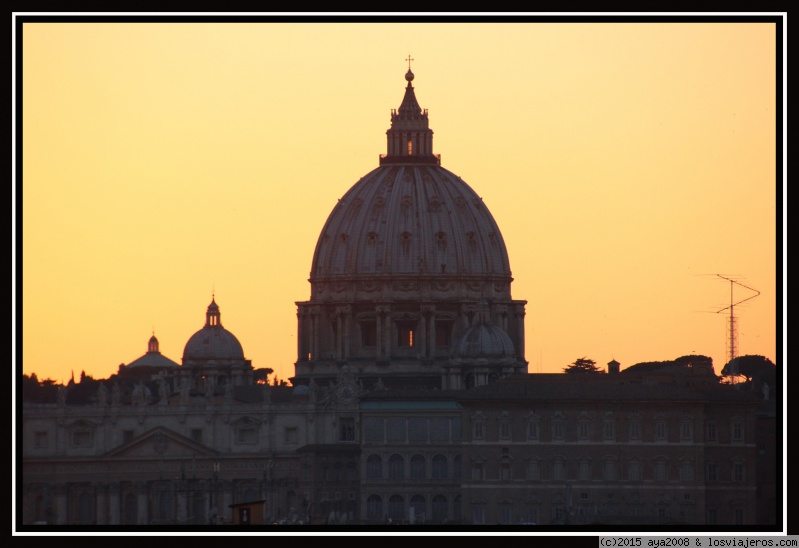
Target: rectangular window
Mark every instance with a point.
(582, 430)
(40, 440)
(711, 472)
(610, 430)
(247, 435)
(290, 435)
(197, 435)
(504, 429)
(477, 471)
(557, 430)
(737, 472)
(712, 516)
(395, 429)
(737, 431)
(346, 429)
(532, 430)
(711, 431)
(373, 429)
(505, 471)
(610, 470)
(739, 516)
(405, 335)
(661, 471)
(368, 334)
(635, 430)
(417, 430)
(660, 430)
(82, 438)
(585, 469)
(686, 431)
(533, 470)
(478, 432)
(439, 429)
(127, 435)
(443, 333)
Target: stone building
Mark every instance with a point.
(410, 402)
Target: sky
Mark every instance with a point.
(631, 167)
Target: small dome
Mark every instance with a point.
(213, 342)
(484, 341)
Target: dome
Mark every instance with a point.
(212, 342)
(410, 219)
(484, 341)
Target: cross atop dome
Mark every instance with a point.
(409, 74)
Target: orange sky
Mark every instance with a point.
(627, 165)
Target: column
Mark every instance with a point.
(302, 353)
(347, 314)
(315, 333)
(61, 517)
(141, 490)
(378, 334)
(422, 336)
(114, 504)
(519, 343)
(101, 502)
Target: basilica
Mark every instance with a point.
(411, 401)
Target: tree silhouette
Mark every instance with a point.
(582, 365)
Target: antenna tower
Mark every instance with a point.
(732, 322)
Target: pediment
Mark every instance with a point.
(160, 442)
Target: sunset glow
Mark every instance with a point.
(631, 167)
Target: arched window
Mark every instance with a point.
(418, 509)
(374, 507)
(439, 513)
(396, 508)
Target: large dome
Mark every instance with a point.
(212, 342)
(410, 219)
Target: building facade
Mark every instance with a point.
(410, 402)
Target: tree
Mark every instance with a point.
(748, 366)
(582, 365)
(260, 375)
(756, 371)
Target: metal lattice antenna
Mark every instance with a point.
(732, 332)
